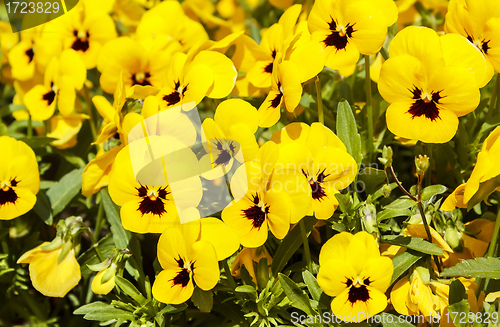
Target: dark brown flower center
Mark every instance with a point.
(269, 67)
(182, 278)
(81, 42)
(50, 96)
(152, 200)
(257, 213)
(358, 292)
(7, 193)
(318, 192)
(484, 47)
(339, 38)
(226, 152)
(30, 53)
(141, 79)
(425, 105)
(175, 97)
(277, 99)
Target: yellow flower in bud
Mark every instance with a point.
(249, 258)
(47, 275)
(19, 178)
(65, 129)
(98, 287)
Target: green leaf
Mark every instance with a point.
(71, 158)
(203, 300)
(129, 289)
(372, 178)
(432, 190)
(347, 130)
(312, 285)
(247, 289)
(298, 297)
(402, 262)
(414, 243)
(62, 192)
(100, 311)
(478, 268)
(37, 141)
(42, 208)
(458, 313)
(457, 292)
(401, 203)
(120, 235)
(346, 204)
(391, 213)
(262, 273)
(290, 245)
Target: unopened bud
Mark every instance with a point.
(452, 237)
(386, 191)
(422, 164)
(368, 214)
(386, 159)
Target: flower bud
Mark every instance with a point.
(422, 164)
(386, 191)
(386, 159)
(368, 214)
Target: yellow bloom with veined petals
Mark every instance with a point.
(185, 260)
(347, 29)
(353, 271)
(19, 178)
(479, 22)
(429, 82)
(321, 159)
(63, 77)
(47, 275)
(142, 62)
(191, 77)
(83, 29)
(265, 197)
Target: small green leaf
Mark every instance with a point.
(290, 245)
(100, 311)
(457, 292)
(62, 192)
(203, 300)
(391, 213)
(298, 297)
(432, 190)
(347, 130)
(37, 141)
(262, 273)
(128, 288)
(402, 262)
(401, 203)
(478, 268)
(414, 243)
(458, 313)
(372, 178)
(312, 285)
(42, 208)
(120, 235)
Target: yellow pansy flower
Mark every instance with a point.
(265, 198)
(479, 22)
(347, 29)
(19, 178)
(98, 287)
(191, 77)
(83, 29)
(429, 82)
(63, 77)
(353, 271)
(321, 159)
(65, 129)
(50, 277)
(185, 260)
(142, 62)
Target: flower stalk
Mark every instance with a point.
(305, 240)
(369, 109)
(321, 117)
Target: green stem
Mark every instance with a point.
(90, 112)
(483, 282)
(94, 244)
(494, 95)
(230, 278)
(30, 126)
(321, 117)
(305, 241)
(384, 53)
(99, 220)
(369, 109)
